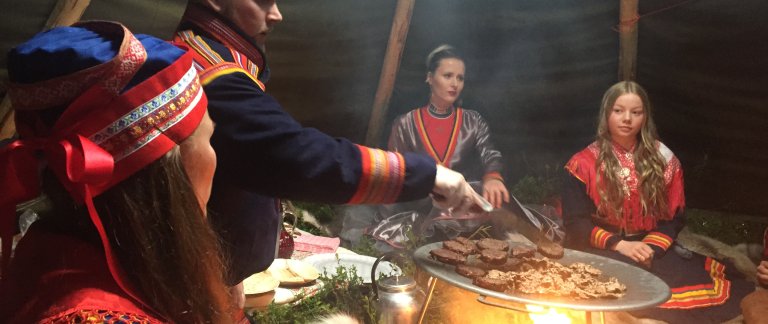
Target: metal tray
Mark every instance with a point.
(644, 290)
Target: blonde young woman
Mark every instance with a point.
(623, 198)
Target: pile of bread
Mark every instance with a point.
(282, 272)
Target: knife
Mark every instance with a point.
(539, 229)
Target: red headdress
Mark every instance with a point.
(124, 101)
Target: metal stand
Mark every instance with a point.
(431, 283)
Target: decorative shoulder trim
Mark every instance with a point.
(582, 164)
(200, 47)
(696, 296)
(599, 238)
(573, 168)
(665, 152)
(101, 316)
(658, 239)
(211, 65)
(383, 174)
(212, 73)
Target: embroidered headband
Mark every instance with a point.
(124, 102)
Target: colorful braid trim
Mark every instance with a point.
(144, 123)
(201, 47)
(599, 237)
(444, 158)
(658, 239)
(93, 316)
(112, 75)
(573, 168)
(212, 73)
(215, 65)
(704, 295)
(383, 174)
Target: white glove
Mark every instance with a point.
(452, 192)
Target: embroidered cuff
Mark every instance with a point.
(658, 239)
(601, 238)
(383, 174)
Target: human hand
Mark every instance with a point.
(637, 251)
(762, 274)
(495, 192)
(452, 191)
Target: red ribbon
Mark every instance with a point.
(77, 161)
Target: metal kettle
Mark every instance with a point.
(398, 298)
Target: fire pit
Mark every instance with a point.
(644, 289)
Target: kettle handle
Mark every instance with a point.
(386, 256)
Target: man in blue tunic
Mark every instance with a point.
(264, 153)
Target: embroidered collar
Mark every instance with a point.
(435, 113)
(218, 27)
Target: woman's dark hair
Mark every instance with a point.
(162, 240)
(441, 52)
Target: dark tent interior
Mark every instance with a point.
(536, 70)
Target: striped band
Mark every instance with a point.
(715, 293)
(599, 237)
(383, 174)
(144, 123)
(658, 239)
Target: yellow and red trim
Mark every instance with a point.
(211, 65)
(383, 174)
(445, 158)
(715, 293)
(201, 47)
(599, 237)
(658, 239)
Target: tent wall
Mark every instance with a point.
(536, 71)
(705, 64)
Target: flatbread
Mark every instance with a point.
(304, 270)
(293, 272)
(260, 283)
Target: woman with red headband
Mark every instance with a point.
(113, 129)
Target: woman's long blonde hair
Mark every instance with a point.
(649, 164)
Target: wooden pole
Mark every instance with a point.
(65, 13)
(628, 40)
(397, 36)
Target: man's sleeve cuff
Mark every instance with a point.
(382, 177)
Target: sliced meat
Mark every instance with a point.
(463, 240)
(490, 283)
(522, 251)
(493, 256)
(550, 249)
(458, 247)
(469, 271)
(447, 256)
(492, 244)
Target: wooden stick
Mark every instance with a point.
(397, 36)
(7, 127)
(65, 13)
(628, 40)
